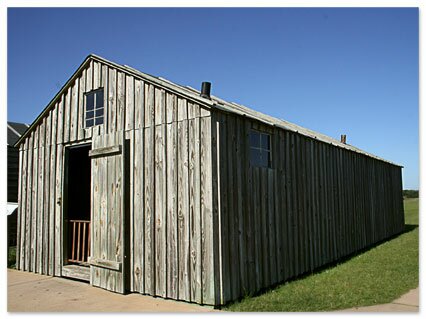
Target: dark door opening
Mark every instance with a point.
(77, 205)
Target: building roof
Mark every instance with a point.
(215, 103)
(14, 132)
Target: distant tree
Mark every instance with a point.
(410, 193)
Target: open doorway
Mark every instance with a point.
(77, 205)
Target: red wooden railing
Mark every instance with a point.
(80, 244)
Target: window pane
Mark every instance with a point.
(100, 98)
(99, 112)
(266, 141)
(99, 120)
(89, 115)
(255, 157)
(89, 123)
(254, 139)
(90, 101)
(265, 159)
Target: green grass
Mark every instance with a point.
(11, 257)
(376, 276)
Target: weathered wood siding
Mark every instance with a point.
(317, 203)
(170, 175)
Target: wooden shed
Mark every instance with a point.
(137, 184)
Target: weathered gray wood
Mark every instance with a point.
(206, 226)
(138, 220)
(172, 209)
(58, 210)
(29, 211)
(74, 110)
(46, 211)
(76, 272)
(81, 106)
(121, 100)
(105, 151)
(159, 106)
(52, 205)
(149, 105)
(217, 271)
(194, 209)
(34, 215)
(139, 104)
(149, 160)
(108, 193)
(89, 87)
(183, 213)
(160, 209)
(240, 212)
(182, 109)
(67, 115)
(112, 100)
(108, 264)
(21, 203)
(248, 207)
(130, 103)
(171, 108)
(207, 222)
(224, 214)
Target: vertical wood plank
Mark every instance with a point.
(206, 169)
(74, 109)
(171, 108)
(34, 215)
(224, 211)
(58, 211)
(172, 208)
(183, 212)
(160, 211)
(149, 211)
(130, 103)
(29, 205)
(67, 115)
(159, 106)
(217, 271)
(47, 197)
(81, 105)
(194, 209)
(52, 203)
(138, 212)
(139, 104)
(22, 179)
(112, 100)
(121, 101)
(149, 105)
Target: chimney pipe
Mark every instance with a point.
(343, 138)
(205, 90)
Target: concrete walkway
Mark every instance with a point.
(408, 302)
(28, 292)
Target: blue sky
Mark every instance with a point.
(336, 71)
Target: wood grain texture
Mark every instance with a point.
(206, 225)
(308, 210)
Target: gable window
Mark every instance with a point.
(260, 149)
(94, 114)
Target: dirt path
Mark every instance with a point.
(408, 302)
(28, 292)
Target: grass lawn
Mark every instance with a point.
(376, 276)
(11, 257)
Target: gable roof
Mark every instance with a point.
(14, 132)
(214, 102)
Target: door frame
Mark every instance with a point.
(64, 197)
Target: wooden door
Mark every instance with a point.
(107, 212)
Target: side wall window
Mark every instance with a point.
(260, 149)
(94, 114)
